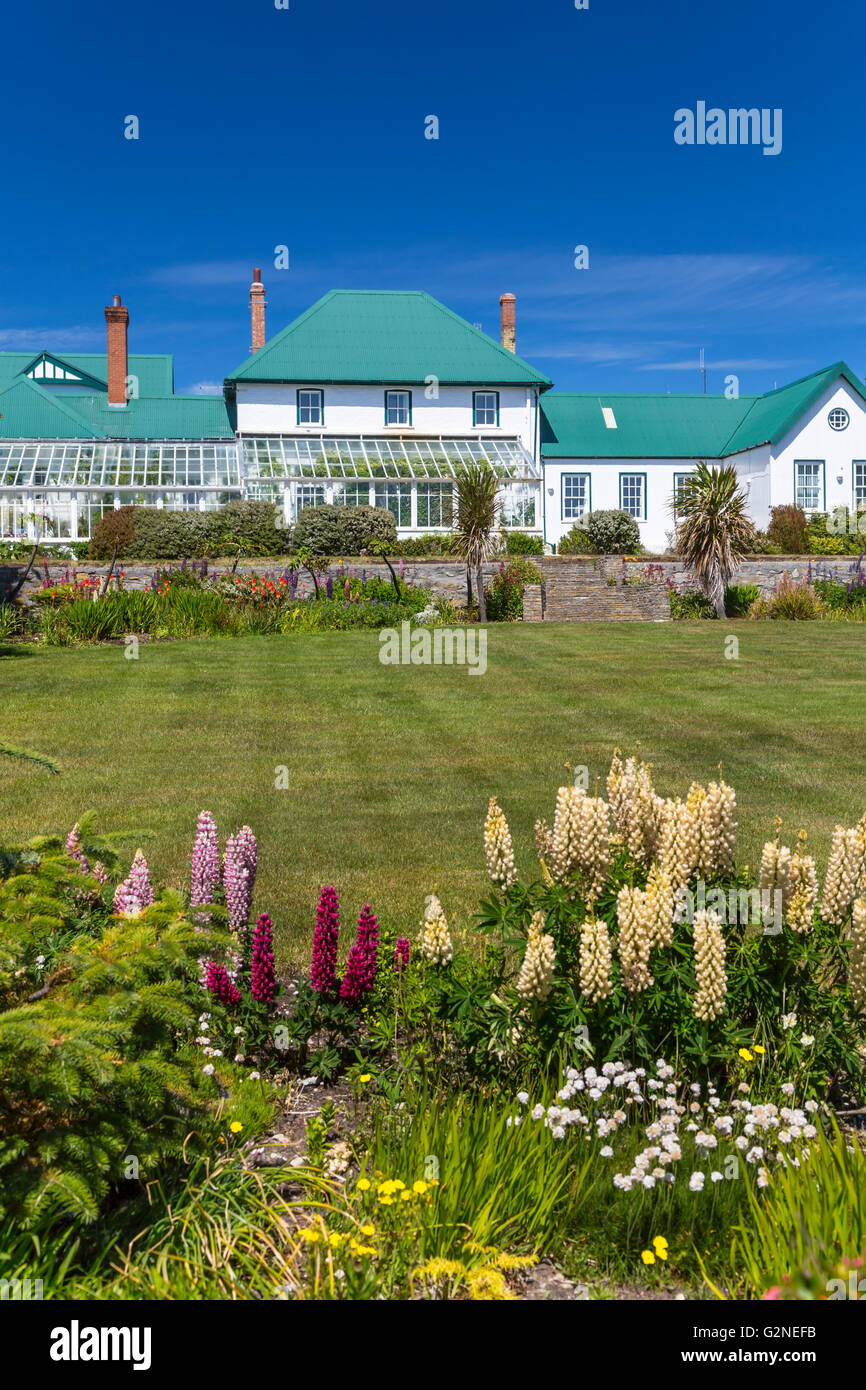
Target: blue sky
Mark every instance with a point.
(305, 127)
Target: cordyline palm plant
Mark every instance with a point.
(713, 529)
(476, 516)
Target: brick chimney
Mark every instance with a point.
(117, 321)
(257, 310)
(506, 315)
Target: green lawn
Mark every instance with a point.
(390, 767)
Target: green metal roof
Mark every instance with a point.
(385, 336)
(155, 371)
(682, 426)
(29, 411)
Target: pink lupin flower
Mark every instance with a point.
(139, 880)
(401, 954)
(74, 850)
(205, 870)
(239, 876)
(263, 979)
(323, 971)
(360, 973)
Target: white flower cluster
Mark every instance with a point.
(698, 833)
(635, 807)
(803, 889)
(846, 872)
(595, 961)
(498, 848)
(718, 836)
(679, 1125)
(580, 841)
(635, 941)
(712, 980)
(434, 940)
(536, 973)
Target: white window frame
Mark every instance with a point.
(800, 485)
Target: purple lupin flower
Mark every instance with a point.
(219, 984)
(263, 979)
(401, 954)
(329, 587)
(360, 973)
(125, 902)
(205, 871)
(239, 876)
(323, 971)
(74, 850)
(139, 880)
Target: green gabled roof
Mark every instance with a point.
(683, 426)
(158, 417)
(29, 412)
(388, 337)
(648, 426)
(155, 371)
(774, 414)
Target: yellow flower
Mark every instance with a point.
(335, 1239)
(311, 1235)
(368, 1230)
(660, 1245)
(648, 1257)
(386, 1201)
(419, 1187)
(406, 1196)
(363, 1184)
(760, 1050)
(366, 1077)
(385, 1189)
(745, 1054)
(235, 1126)
(398, 1184)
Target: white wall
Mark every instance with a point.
(272, 409)
(604, 482)
(813, 439)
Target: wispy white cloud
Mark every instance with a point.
(204, 388)
(733, 364)
(82, 338)
(202, 273)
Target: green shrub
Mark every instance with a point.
(520, 543)
(364, 525)
(257, 525)
(739, 599)
(762, 545)
(91, 1009)
(504, 594)
(151, 533)
(575, 542)
(432, 544)
(787, 529)
(690, 603)
(320, 529)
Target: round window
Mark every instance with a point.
(838, 419)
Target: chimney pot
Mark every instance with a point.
(507, 304)
(117, 325)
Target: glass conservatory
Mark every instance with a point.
(412, 477)
(61, 489)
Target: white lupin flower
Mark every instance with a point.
(536, 973)
(857, 957)
(712, 980)
(434, 941)
(498, 848)
(595, 961)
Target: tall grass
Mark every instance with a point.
(809, 1219)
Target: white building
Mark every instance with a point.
(803, 444)
(377, 398)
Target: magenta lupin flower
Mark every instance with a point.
(125, 902)
(239, 876)
(263, 978)
(401, 954)
(360, 973)
(219, 984)
(323, 971)
(205, 871)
